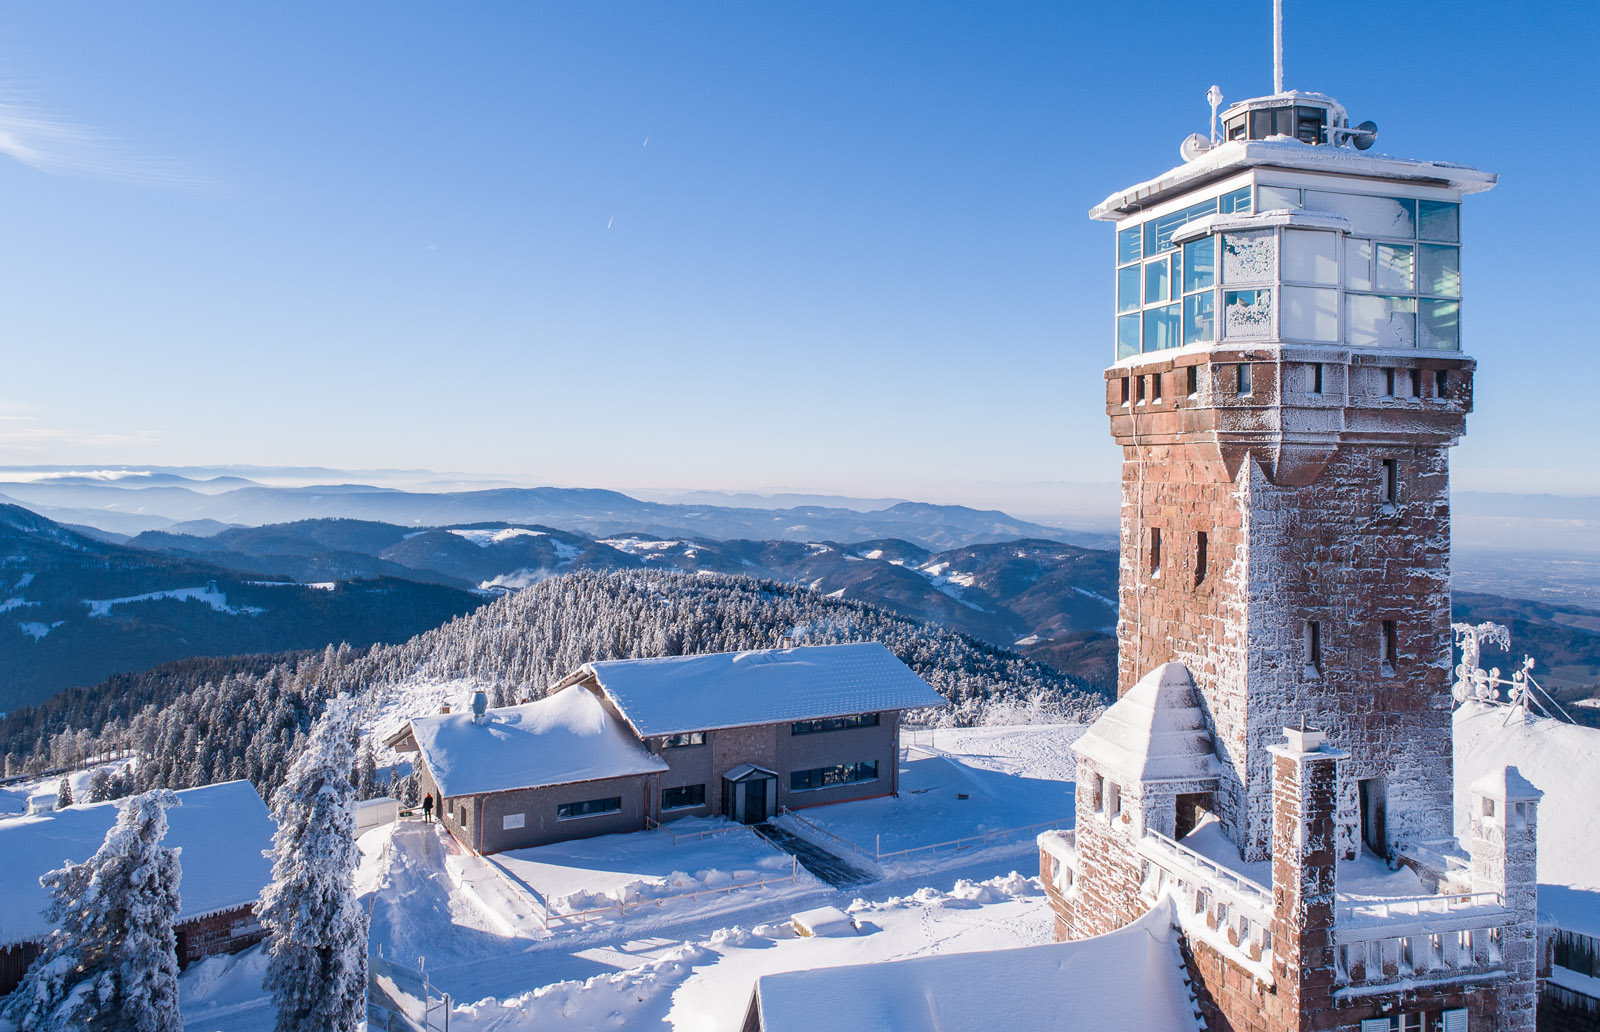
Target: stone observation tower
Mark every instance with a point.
(1288, 379)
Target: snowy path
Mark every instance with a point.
(835, 870)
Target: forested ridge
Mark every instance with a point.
(193, 725)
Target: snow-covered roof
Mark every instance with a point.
(1129, 978)
(1562, 760)
(557, 740)
(221, 830)
(1227, 158)
(1506, 783)
(1156, 732)
(675, 694)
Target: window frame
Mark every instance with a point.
(683, 806)
(849, 722)
(564, 811)
(837, 775)
(673, 741)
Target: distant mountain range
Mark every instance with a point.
(74, 609)
(130, 504)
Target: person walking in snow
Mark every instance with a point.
(427, 808)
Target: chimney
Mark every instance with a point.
(444, 708)
(480, 707)
(785, 642)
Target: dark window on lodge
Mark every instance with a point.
(1391, 481)
(1244, 378)
(1416, 383)
(1314, 646)
(839, 774)
(1316, 378)
(1194, 380)
(1155, 387)
(588, 808)
(1200, 558)
(1138, 389)
(1155, 551)
(1124, 392)
(681, 740)
(1388, 382)
(1578, 952)
(811, 727)
(1441, 380)
(683, 796)
(1388, 645)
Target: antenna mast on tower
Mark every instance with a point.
(1277, 46)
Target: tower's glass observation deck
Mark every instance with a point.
(1276, 235)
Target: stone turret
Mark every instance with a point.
(1503, 843)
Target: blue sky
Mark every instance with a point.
(827, 246)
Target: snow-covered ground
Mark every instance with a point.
(215, 599)
(588, 874)
(690, 965)
(963, 783)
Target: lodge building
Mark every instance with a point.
(619, 745)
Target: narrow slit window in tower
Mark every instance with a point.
(1391, 481)
(1194, 380)
(1200, 557)
(1155, 551)
(1388, 646)
(1155, 387)
(1441, 380)
(1316, 378)
(1124, 392)
(1313, 648)
(1244, 378)
(1416, 383)
(1388, 382)
(1138, 390)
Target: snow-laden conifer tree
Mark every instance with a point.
(64, 792)
(317, 972)
(111, 962)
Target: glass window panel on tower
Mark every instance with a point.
(1235, 201)
(1127, 335)
(1158, 231)
(1357, 264)
(1311, 313)
(1439, 220)
(1310, 256)
(1249, 257)
(1395, 270)
(1157, 282)
(1247, 314)
(1128, 289)
(1369, 216)
(1439, 270)
(1380, 322)
(1275, 198)
(1128, 241)
(1199, 264)
(1200, 317)
(1439, 324)
(1161, 328)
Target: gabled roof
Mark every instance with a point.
(674, 694)
(1156, 732)
(1132, 978)
(221, 830)
(557, 740)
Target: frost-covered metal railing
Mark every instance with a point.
(814, 828)
(1520, 691)
(651, 824)
(1416, 937)
(1220, 905)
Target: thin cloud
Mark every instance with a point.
(50, 145)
